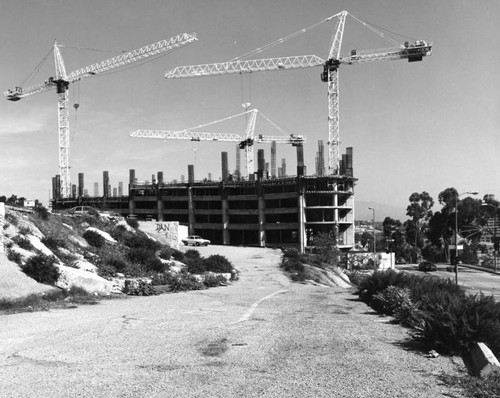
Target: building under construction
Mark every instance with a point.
(263, 210)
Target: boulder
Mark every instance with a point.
(325, 277)
(482, 360)
(84, 265)
(89, 281)
(105, 235)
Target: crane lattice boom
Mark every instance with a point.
(62, 80)
(246, 143)
(186, 135)
(412, 52)
(100, 67)
(256, 65)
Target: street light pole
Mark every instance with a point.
(456, 231)
(374, 244)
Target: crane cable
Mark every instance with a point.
(283, 39)
(368, 25)
(76, 105)
(36, 70)
(284, 131)
(374, 28)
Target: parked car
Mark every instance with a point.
(400, 260)
(427, 266)
(83, 209)
(195, 240)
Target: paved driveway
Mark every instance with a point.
(260, 337)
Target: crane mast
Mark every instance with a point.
(330, 75)
(61, 81)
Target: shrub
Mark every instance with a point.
(177, 255)
(42, 212)
(42, 268)
(212, 280)
(397, 301)
(135, 269)
(94, 239)
(142, 241)
(22, 242)
(156, 265)
(160, 279)
(14, 256)
(217, 263)
(183, 282)
(356, 277)
(53, 243)
(325, 247)
(443, 315)
(132, 222)
(106, 271)
(11, 218)
(454, 322)
(24, 230)
(118, 264)
(195, 265)
(165, 253)
(292, 263)
(120, 233)
(140, 255)
(143, 289)
(192, 253)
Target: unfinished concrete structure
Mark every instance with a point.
(265, 211)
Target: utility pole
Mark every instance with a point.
(374, 240)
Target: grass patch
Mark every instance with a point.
(56, 298)
(475, 387)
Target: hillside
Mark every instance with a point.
(96, 251)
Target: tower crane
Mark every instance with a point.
(61, 81)
(412, 52)
(245, 143)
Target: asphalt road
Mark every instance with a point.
(260, 337)
(473, 280)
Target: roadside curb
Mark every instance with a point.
(480, 269)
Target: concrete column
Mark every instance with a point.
(105, 183)
(262, 222)
(80, 185)
(160, 208)
(225, 222)
(58, 187)
(273, 159)
(302, 220)
(190, 173)
(131, 203)
(224, 164)
(300, 161)
(191, 218)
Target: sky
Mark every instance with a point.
(422, 126)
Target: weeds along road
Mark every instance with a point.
(260, 337)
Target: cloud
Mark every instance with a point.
(19, 122)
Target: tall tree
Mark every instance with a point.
(419, 210)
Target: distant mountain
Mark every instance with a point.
(361, 211)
